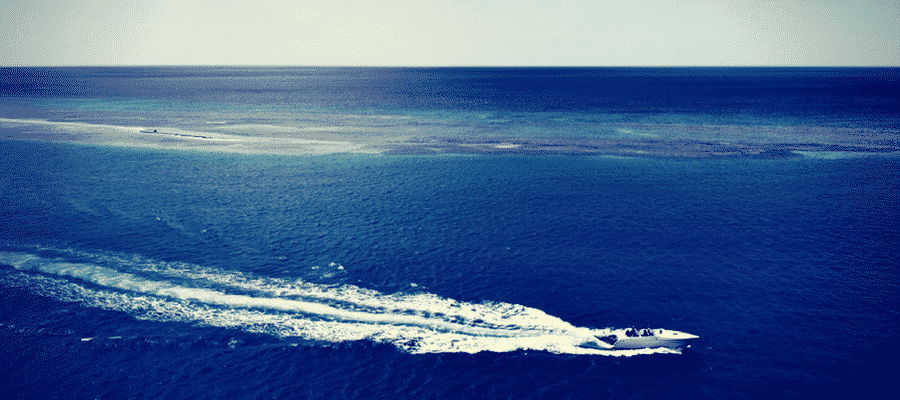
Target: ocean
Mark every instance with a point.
(288, 232)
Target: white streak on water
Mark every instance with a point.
(420, 323)
(179, 139)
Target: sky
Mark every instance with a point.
(450, 33)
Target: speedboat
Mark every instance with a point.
(617, 339)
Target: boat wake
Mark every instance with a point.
(415, 323)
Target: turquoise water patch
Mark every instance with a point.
(832, 155)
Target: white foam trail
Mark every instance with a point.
(422, 323)
(492, 314)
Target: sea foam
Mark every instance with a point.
(415, 323)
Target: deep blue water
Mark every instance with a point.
(447, 233)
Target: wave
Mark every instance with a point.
(415, 323)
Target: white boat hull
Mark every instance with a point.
(619, 339)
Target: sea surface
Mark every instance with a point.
(443, 233)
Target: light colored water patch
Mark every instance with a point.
(69, 127)
(393, 117)
(830, 155)
(263, 128)
(178, 139)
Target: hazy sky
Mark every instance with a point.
(467, 32)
